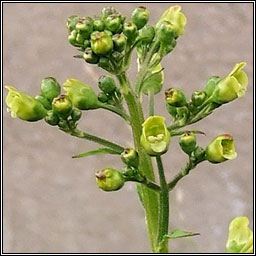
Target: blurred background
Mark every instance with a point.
(51, 201)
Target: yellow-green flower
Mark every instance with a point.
(240, 239)
(24, 106)
(155, 137)
(231, 87)
(176, 18)
(222, 148)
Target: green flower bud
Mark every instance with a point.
(50, 88)
(80, 38)
(51, 118)
(102, 97)
(62, 106)
(71, 22)
(105, 64)
(47, 105)
(107, 11)
(175, 97)
(87, 43)
(211, 84)
(85, 27)
(172, 110)
(109, 179)
(119, 42)
(98, 25)
(231, 87)
(147, 34)
(199, 153)
(165, 32)
(188, 142)
(72, 124)
(24, 106)
(76, 114)
(72, 37)
(113, 23)
(101, 43)
(155, 137)
(176, 18)
(222, 148)
(63, 125)
(130, 157)
(82, 96)
(198, 97)
(140, 17)
(108, 33)
(130, 31)
(90, 57)
(240, 238)
(107, 84)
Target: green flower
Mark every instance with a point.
(198, 98)
(231, 87)
(119, 42)
(24, 106)
(82, 96)
(155, 137)
(175, 97)
(107, 84)
(90, 57)
(130, 157)
(222, 148)
(188, 142)
(176, 18)
(85, 27)
(240, 239)
(50, 88)
(130, 31)
(140, 17)
(101, 43)
(109, 179)
(62, 106)
(51, 118)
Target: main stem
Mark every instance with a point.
(149, 197)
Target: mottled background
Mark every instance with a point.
(51, 201)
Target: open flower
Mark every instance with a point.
(155, 137)
(240, 239)
(231, 87)
(222, 148)
(24, 106)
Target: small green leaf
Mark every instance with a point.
(177, 233)
(96, 152)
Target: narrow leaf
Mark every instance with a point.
(96, 152)
(177, 233)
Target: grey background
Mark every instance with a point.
(51, 202)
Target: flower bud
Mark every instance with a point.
(119, 42)
(47, 105)
(107, 11)
(155, 137)
(24, 106)
(71, 22)
(172, 110)
(211, 84)
(63, 125)
(188, 142)
(101, 43)
(72, 37)
(76, 114)
(198, 97)
(85, 27)
(222, 148)
(231, 87)
(98, 25)
(199, 153)
(165, 32)
(130, 157)
(102, 97)
(240, 238)
(107, 84)
(140, 17)
(62, 106)
(82, 96)
(113, 23)
(90, 57)
(51, 118)
(175, 97)
(50, 88)
(80, 38)
(105, 63)
(130, 31)
(176, 18)
(147, 34)
(109, 179)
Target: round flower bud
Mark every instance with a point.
(199, 153)
(211, 84)
(172, 110)
(155, 137)
(63, 125)
(62, 106)
(175, 97)
(188, 142)
(107, 84)
(107, 11)
(80, 38)
(140, 17)
(102, 97)
(90, 57)
(71, 22)
(51, 118)
(82, 96)
(47, 105)
(50, 88)
(222, 148)
(147, 34)
(98, 25)
(85, 27)
(109, 179)
(130, 31)
(198, 98)
(130, 157)
(113, 23)
(24, 106)
(119, 42)
(165, 32)
(101, 43)
(72, 37)
(76, 114)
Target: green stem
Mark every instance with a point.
(149, 197)
(164, 208)
(151, 102)
(87, 136)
